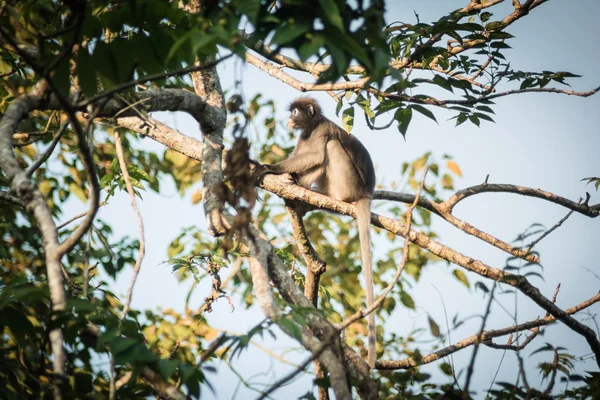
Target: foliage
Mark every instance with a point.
(90, 53)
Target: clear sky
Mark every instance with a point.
(547, 141)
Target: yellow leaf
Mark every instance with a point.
(77, 191)
(453, 167)
(177, 159)
(447, 182)
(29, 151)
(278, 151)
(196, 196)
(461, 277)
(45, 187)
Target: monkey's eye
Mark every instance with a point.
(294, 112)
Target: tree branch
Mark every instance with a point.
(484, 338)
(35, 203)
(283, 188)
(439, 210)
(131, 192)
(584, 209)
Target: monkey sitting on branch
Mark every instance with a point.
(330, 161)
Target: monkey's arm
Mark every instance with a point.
(308, 154)
(300, 162)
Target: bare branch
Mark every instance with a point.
(549, 231)
(11, 199)
(442, 103)
(42, 159)
(276, 72)
(441, 211)
(471, 365)
(584, 209)
(315, 266)
(76, 217)
(486, 336)
(131, 192)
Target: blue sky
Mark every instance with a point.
(547, 141)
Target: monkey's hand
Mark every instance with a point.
(259, 171)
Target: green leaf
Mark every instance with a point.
(142, 47)
(485, 109)
(290, 31)
(462, 117)
(474, 119)
(499, 45)
(484, 116)
(485, 16)
(434, 327)
(105, 64)
(120, 345)
(106, 180)
(61, 77)
(250, 8)
(481, 285)
(332, 13)
(442, 82)
(425, 111)
(291, 328)
(192, 378)
(446, 369)
(311, 46)
(86, 72)
(348, 119)
(167, 367)
(403, 116)
(461, 277)
(338, 107)
(365, 104)
(407, 300)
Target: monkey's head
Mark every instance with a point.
(305, 114)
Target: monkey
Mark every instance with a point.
(330, 161)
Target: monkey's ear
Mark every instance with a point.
(311, 110)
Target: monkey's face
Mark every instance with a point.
(294, 119)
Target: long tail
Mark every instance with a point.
(363, 217)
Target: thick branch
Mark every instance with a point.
(263, 250)
(11, 199)
(315, 266)
(259, 263)
(35, 203)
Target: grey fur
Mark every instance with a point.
(331, 161)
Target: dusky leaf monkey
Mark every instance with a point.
(330, 161)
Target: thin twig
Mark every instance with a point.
(42, 159)
(292, 374)
(138, 262)
(81, 215)
(476, 348)
(410, 362)
(549, 231)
